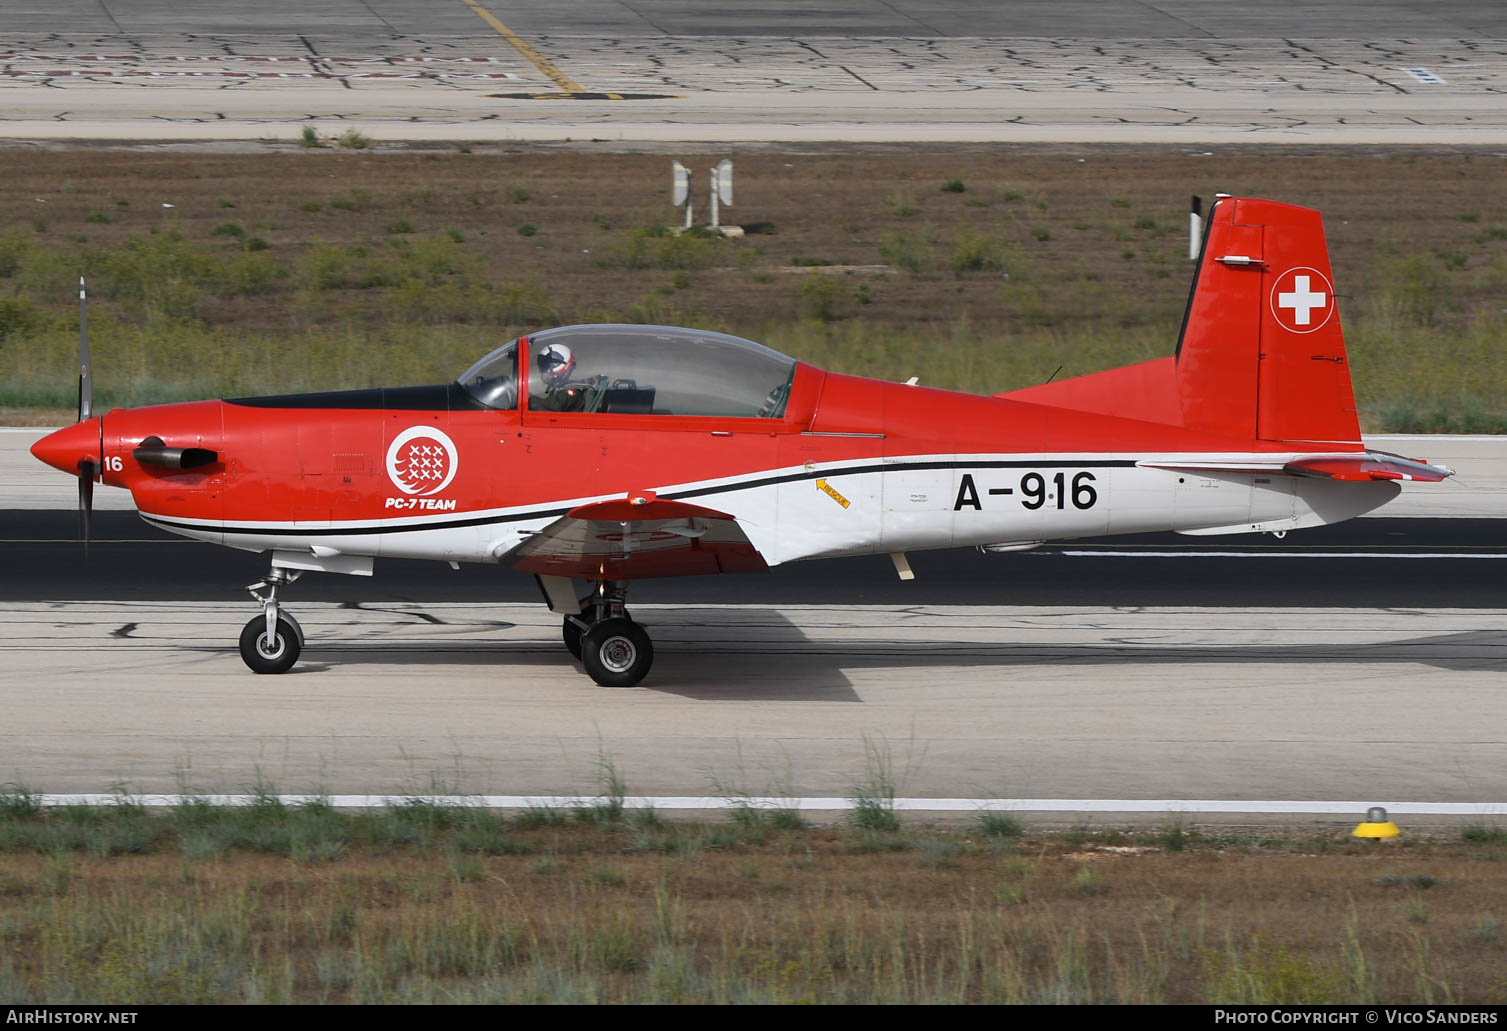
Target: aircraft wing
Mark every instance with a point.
(635, 538)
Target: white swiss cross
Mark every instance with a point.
(1302, 300)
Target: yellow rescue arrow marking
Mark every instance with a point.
(831, 492)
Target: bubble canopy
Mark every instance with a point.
(643, 370)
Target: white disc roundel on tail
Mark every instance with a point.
(422, 460)
(1302, 300)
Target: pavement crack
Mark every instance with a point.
(860, 78)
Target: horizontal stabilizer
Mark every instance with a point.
(1363, 465)
(1372, 465)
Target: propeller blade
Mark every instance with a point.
(85, 380)
(86, 500)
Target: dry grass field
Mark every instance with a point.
(330, 267)
(431, 905)
(426, 903)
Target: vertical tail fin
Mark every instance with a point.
(1261, 352)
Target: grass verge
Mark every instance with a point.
(426, 902)
(345, 268)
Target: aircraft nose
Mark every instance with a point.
(65, 448)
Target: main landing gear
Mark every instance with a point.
(614, 649)
(602, 635)
(271, 642)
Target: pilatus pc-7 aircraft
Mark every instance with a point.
(613, 453)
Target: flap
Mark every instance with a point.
(636, 538)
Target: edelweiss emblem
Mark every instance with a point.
(422, 460)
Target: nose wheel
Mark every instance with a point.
(280, 656)
(271, 642)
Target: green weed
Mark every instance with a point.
(976, 252)
(910, 250)
(998, 825)
(873, 797)
(19, 802)
(819, 297)
(1476, 833)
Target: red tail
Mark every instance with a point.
(1261, 353)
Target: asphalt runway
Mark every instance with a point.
(1387, 563)
(988, 701)
(1061, 674)
(1184, 72)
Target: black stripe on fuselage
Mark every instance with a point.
(697, 492)
(441, 397)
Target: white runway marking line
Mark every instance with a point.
(818, 804)
(1425, 76)
(1076, 553)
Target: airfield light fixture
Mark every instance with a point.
(1376, 825)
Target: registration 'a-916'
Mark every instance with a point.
(1035, 490)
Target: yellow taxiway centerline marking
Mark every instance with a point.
(538, 60)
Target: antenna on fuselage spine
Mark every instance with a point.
(1195, 227)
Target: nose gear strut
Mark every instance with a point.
(271, 642)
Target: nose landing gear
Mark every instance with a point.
(271, 642)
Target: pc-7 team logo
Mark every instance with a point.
(422, 461)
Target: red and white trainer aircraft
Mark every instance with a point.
(610, 453)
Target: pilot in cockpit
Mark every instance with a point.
(555, 364)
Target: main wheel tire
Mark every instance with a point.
(616, 652)
(571, 631)
(254, 650)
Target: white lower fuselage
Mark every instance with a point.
(874, 506)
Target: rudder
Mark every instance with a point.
(1261, 352)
